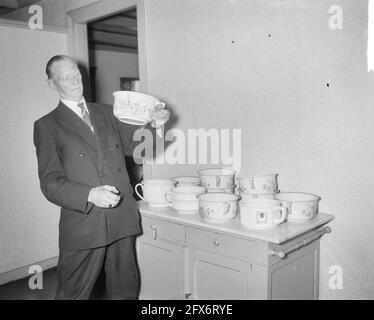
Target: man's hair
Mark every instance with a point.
(57, 58)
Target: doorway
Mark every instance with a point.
(114, 65)
(113, 55)
(78, 35)
(108, 40)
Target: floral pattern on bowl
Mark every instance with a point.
(261, 218)
(310, 211)
(258, 184)
(209, 212)
(270, 186)
(135, 107)
(301, 206)
(219, 212)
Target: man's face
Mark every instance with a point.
(67, 80)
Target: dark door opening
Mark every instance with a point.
(114, 65)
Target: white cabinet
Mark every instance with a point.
(185, 257)
(160, 256)
(161, 269)
(215, 276)
(303, 270)
(219, 266)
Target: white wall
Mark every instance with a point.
(53, 13)
(216, 66)
(28, 222)
(111, 66)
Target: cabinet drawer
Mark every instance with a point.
(222, 243)
(160, 229)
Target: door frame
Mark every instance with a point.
(78, 39)
(77, 31)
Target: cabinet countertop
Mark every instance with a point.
(283, 232)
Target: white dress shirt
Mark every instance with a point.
(73, 105)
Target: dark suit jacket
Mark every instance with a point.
(72, 160)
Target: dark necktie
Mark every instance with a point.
(85, 116)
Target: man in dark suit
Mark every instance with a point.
(81, 164)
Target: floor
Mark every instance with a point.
(19, 290)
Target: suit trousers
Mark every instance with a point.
(78, 271)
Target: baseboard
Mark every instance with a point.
(23, 272)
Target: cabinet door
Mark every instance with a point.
(298, 278)
(161, 269)
(213, 276)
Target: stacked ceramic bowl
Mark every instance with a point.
(185, 199)
(217, 180)
(301, 206)
(258, 186)
(154, 191)
(218, 206)
(187, 181)
(262, 213)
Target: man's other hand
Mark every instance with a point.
(159, 116)
(104, 196)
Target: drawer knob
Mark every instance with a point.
(154, 229)
(216, 242)
(187, 295)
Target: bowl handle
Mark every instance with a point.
(283, 216)
(136, 190)
(227, 208)
(160, 105)
(167, 198)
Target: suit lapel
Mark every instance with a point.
(68, 118)
(101, 131)
(98, 140)
(98, 122)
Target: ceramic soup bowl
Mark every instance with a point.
(155, 190)
(249, 196)
(218, 206)
(259, 184)
(301, 206)
(185, 207)
(230, 189)
(262, 213)
(185, 199)
(217, 178)
(134, 107)
(185, 193)
(187, 181)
